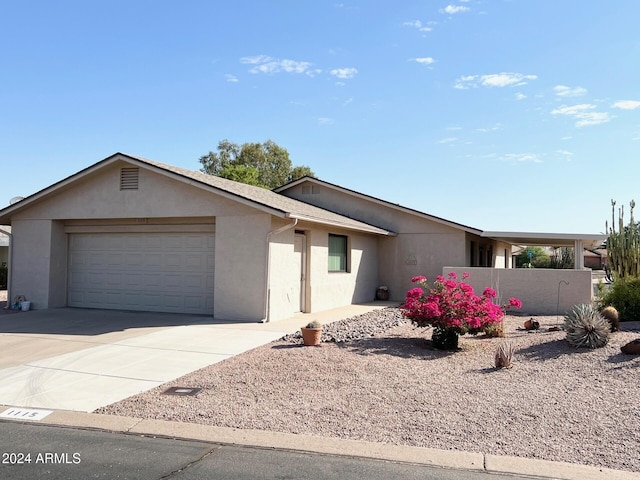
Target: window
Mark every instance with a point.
(337, 253)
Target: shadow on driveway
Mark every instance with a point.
(80, 321)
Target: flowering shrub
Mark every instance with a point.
(454, 306)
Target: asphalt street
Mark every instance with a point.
(32, 451)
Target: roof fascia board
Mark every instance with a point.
(57, 186)
(379, 202)
(366, 229)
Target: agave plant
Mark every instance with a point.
(504, 355)
(586, 327)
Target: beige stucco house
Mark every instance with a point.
(129, 233)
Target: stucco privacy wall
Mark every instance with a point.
(421, 247)
(538, 288)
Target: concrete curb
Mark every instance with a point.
(334, 446)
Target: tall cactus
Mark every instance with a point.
(623, 245)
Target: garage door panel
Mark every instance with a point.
(153, 271)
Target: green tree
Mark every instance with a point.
(562, 258)
(533, 257)
(263, 164)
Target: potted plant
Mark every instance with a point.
(312, 333)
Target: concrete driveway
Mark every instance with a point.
(77, 359)
(81, 359)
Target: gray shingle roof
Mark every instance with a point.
(288, 207)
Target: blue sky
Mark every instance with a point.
(506, 115)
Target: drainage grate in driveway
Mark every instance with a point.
(183, 391)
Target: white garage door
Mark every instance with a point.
(158, 272)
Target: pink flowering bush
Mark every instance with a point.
(452, 306)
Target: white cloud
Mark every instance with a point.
(573, 110)
(592, 118)
(231, 78)
(522, 157)
(504, 79)
(344, 73)
(270, 65)
(256, 59)
(325, 121)
(565, 153)
(452, 9)
(520, 96)
(583, 114)
(447, 140)
(418, 25)
(564, 91)
(425, 60)
(627, 104)
(497, 126)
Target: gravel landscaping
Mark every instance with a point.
(377, 378)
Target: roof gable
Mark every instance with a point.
(377, 201)
(255, 197)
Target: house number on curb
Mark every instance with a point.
(24, 414)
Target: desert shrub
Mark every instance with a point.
(504, 355)
(586, 327)
(624, 296)
(4, 271)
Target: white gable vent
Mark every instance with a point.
(129, 178)
(310, 189)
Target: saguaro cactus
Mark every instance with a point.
(623, 245)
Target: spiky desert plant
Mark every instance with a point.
(611, 315)
(623, 245)
(504, 355)
(586, 327)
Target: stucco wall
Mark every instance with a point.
(99, 196)
(31, 272)
(408, 255)
(422, 246)
(538, 288)
(240, 259)
(328, 290)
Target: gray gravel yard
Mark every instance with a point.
(385, 383)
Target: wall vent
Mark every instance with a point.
(129, 178)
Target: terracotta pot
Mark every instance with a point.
(531, 324)
(311, 336)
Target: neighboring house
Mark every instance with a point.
(5, 232)
(132, 234)
(594, 260)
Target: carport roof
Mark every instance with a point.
(548, 239)
(261, 198)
